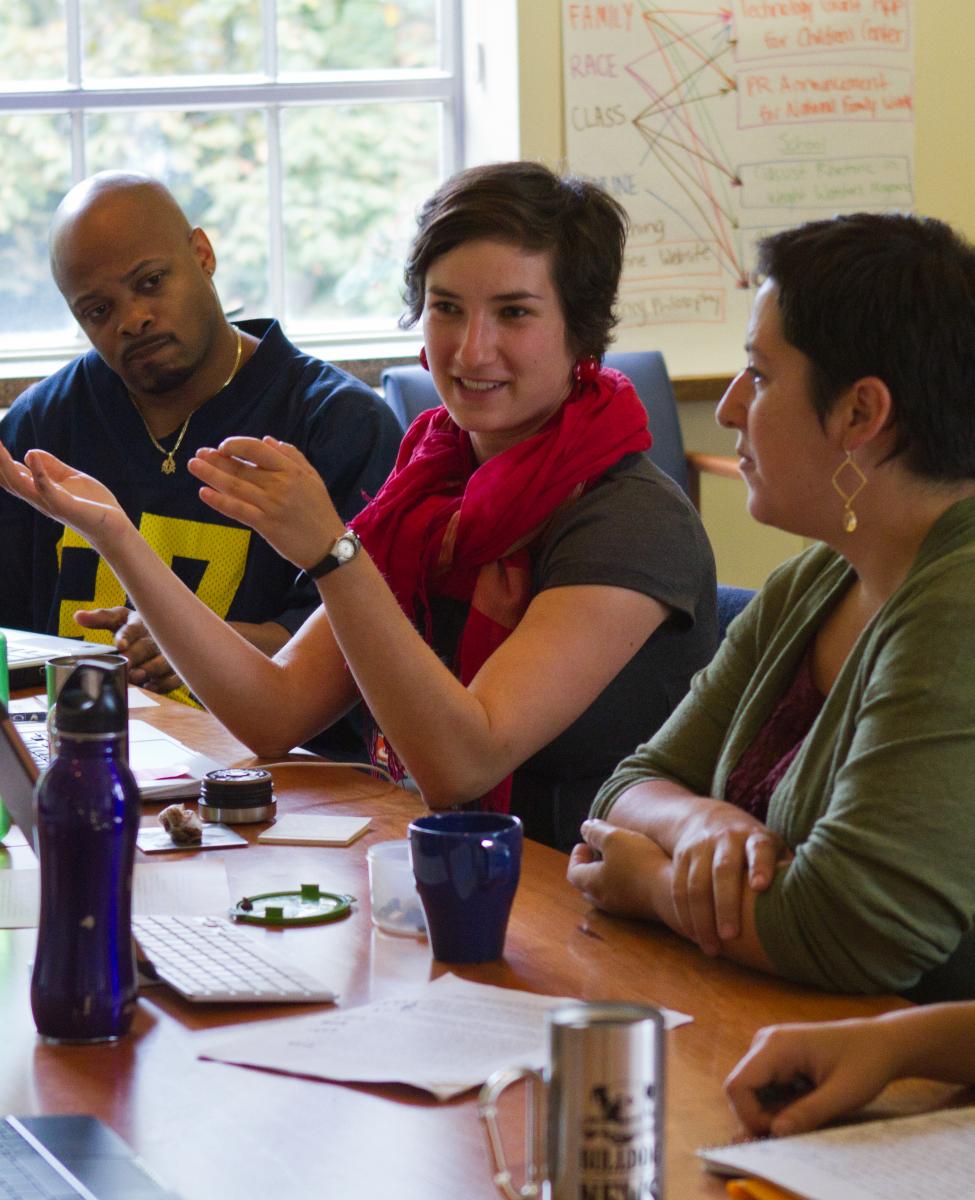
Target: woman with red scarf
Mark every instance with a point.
(527, 596)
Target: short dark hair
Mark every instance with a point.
(892, 296)
(531, 207)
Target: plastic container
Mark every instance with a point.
(396, 907)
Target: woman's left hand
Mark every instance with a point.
(616, 869)
(270, 486)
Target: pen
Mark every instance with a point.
(776, 1095)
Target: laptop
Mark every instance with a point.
(28, 652)
(63, 1157)
(18, 774)
(164, 768)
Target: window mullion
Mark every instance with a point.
(72, 20)
(269, 22)
(275, 206)
(275, 211)
(453, 63)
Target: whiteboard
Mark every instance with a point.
(716, 124)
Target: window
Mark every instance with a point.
(302, 135)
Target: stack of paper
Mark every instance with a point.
(905, 1158)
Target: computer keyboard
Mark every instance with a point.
(24, 1172)
(207, 960)
(34, 736)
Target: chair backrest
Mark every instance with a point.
(647, 371)
(731, 601)
(410, 391)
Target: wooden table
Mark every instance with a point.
(217, 1131)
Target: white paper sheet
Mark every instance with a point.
(899, 1159)
(445, 1038)
(195, 889)
(19, 899)
(137, 698)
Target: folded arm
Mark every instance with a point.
(627, 873)
(716, 855)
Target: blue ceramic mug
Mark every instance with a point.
(466, 866)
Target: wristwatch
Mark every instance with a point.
(344, 550)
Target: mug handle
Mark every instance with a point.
(487, 1107)
(496, 860)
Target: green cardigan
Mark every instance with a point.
(879, 803)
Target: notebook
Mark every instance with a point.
(28, 652)
(308, 829)
(59, 1157)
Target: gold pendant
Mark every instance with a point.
(849, 520)
(168, 465)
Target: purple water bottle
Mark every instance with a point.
(83, 988)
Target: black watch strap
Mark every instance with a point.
(344, 549)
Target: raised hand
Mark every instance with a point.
(270, 486)
(62, 493)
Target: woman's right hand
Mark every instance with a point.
(848, 1063)
(720, 850)
(62, 493)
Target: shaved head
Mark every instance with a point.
(139, 281)
(109, 197)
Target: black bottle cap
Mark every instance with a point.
(92, 701)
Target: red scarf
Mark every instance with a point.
(444, 525)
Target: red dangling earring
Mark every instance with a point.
(423, 358)
(586, 370)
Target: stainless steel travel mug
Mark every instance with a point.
(599, 1135)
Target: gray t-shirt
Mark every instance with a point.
(634, 529)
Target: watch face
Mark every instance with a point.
(344, 549)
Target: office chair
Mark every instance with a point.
(410, 390)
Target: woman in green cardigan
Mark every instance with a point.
(808, 809)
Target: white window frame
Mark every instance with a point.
(271, 91)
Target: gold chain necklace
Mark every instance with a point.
(169, 461)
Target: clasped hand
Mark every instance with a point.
(147, 666)
(699, 890)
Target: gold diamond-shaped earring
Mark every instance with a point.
(860, 482)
